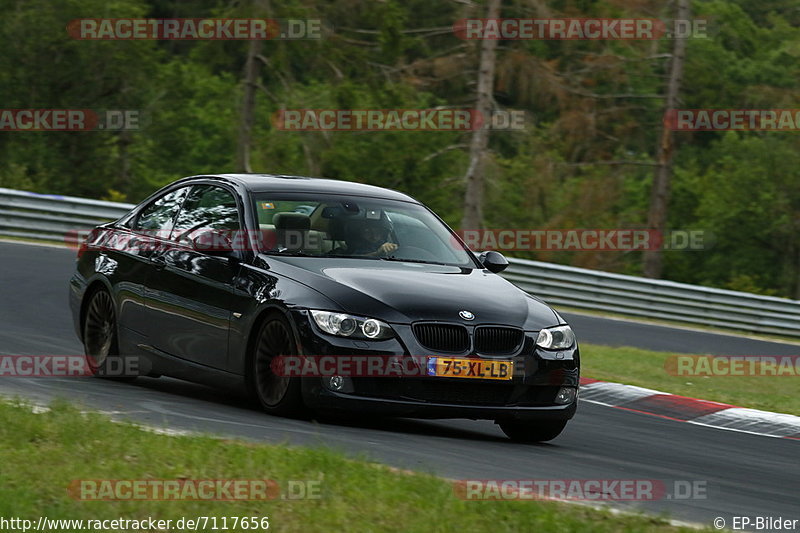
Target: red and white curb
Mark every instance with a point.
(691, 410)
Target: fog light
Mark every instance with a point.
(566, 395)
(336, 383)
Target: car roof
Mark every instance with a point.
(286, 183)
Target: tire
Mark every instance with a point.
(532, 431)
(277, 395)
(100, 344)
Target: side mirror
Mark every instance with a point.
(214, 243)
(493, 261)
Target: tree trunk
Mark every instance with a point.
(252, 69)
(473, 196)
(124, 140)
(659, 194)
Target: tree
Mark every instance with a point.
(252, 68)
(659, 195)
(251, 84)
(473, 196)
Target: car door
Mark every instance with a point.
(189, 297)
(132, 247)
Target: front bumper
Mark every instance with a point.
(328, 400)
(530, 395)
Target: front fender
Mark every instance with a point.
(257, 292)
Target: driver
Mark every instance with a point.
(370, 237)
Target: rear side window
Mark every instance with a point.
(160, 213)
(207, 207)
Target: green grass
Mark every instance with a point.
(41, 453)
(646, 368)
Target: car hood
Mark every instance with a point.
(401, 292)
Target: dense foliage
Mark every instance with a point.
(585, 160)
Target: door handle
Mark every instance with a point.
(159, 262)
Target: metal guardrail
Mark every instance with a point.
(582, 288)
(51, 217)
(61, 218)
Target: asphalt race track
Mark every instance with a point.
(744, 474)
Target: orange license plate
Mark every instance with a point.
(447, 367)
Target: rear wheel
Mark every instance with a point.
(100, 338)
(532, 431)
(279, 395)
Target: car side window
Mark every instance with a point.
(207, 207)
(160, 213)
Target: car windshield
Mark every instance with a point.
(356, 227)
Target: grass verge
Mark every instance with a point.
(646, 368)
(42, 453)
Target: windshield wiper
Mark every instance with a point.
(289, 253)
(300, 253)
(339, 256)
(423, 261)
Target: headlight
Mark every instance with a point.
(557, 338)
(343, 325)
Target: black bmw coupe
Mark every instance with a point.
(232, 279)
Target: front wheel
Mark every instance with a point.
(279, 395)
(532, 431)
